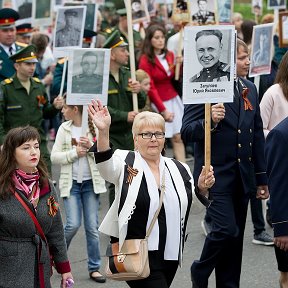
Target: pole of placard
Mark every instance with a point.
(131, 50)
(84, 133)
(207, 137)
(63, 76)
(179, 54)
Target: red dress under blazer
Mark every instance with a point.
(161, 84)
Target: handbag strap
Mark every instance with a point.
(33, 217)
(159, 208)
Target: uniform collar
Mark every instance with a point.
(213, 68)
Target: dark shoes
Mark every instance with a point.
(97, 277)
(263, 239)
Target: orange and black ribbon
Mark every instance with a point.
(247, 103)
(41, 100)
(131, 173)
(53, 206)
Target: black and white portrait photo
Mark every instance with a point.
(224, 11)
(181, 10)
(276, 4)
(257, 7)
(42, 12)
(208, 58)
(202, 11)
(88, 74)
(24, 8)
(69, 28)
(262, 48)
(139, 11)
(151, 7)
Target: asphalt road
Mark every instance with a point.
(259, 267)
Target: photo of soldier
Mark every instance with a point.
(24, 8)
(88, 81)
(203, 15)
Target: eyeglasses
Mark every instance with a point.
(149, 135)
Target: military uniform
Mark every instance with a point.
(217, 73)
(201, 19)
(67, 37)
(87, 84)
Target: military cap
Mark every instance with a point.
(122, 12)
(8, 17)
(88, 35)
(27, 54)
(24, 29)
(108, 6)
(71, 12)
(114, 40)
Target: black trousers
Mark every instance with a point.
(162, 273)
(282, 259)
(223, 247)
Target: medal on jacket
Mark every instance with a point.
(131, 173)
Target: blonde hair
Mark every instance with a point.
(147, 118)
(141, 75)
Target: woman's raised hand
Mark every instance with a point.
(99, 114)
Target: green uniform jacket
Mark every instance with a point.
(17, 108)
(119, 104)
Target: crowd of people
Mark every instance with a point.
(123, 150)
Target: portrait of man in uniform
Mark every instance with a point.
(203, 15)
(89, 81)
(208, 49)
(224, 11)
(139, 9)
(68, 29)
(24, 8)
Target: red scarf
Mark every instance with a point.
(28, 184)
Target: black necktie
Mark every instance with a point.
(236, 96)
(11, 50)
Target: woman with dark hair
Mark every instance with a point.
(31, 229)
(247, 31)
(158, 62)
(274, 104)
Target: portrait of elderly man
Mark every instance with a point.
(203, 16)
(261, 56)
(208, 49)
(88, 82)
(69, 35)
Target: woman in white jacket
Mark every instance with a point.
(69, 147)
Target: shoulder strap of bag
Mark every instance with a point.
(159, 208)
(33, 217)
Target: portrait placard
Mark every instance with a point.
(88, 75)
(139, 11)
(276, 4)
(24, 8)
(208, 64)
(202, 11)
(181, 11)
(69, 29)
(283, 29)
(261, 50)
(224, 11)
(151, 7)
(42, 12)
(257, 7)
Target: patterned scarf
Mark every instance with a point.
(28, 184)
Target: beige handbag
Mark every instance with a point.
(131, 263)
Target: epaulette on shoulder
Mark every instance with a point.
(195, 77)
(36, 79)
(21, 44)
(7, 81)
(225, 67)
(61, 61)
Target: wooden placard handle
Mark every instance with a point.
(207, 137)
(179, 54)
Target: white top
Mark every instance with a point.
(273, 107)
(164, 63)
(6, 49)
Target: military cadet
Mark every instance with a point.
(24, 33)
(108, 12)
(208, 49)
(120, 103)
(23, 99)
(203, 16)
(70, 34)
(88, 81)
(123, 29)
(7, 41)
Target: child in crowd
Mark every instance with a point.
(81, 197)
(144, 80)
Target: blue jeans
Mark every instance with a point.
(83, 198)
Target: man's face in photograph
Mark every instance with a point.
(202, 6)
(89, 64)
(69, 19)
(208, 49)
